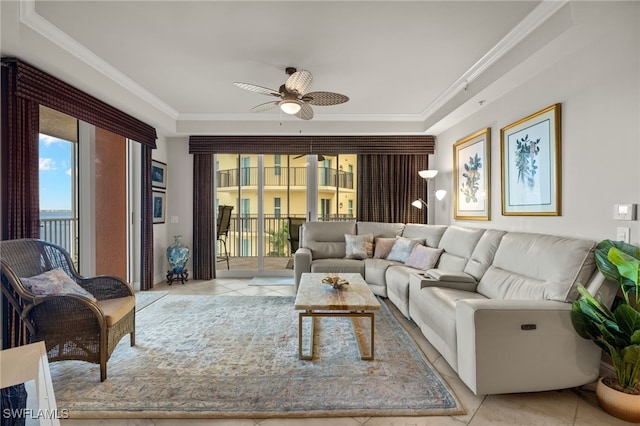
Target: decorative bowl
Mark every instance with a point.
(335, 281)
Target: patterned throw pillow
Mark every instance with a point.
(402, 248)
(423, 257)
(383, 247)
(55, 281)
(359, 246)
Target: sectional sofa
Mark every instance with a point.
(495, 304)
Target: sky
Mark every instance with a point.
(55, 173)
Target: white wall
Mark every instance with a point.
(160, 230)
(595, 77)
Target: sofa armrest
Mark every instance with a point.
(301, 264)
(507, 346)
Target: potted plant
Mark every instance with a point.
(616, 331)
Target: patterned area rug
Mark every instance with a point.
(227, 356)
(146, 298)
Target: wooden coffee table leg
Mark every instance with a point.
(359, 333)
(301, 354)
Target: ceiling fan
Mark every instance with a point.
(293, 95)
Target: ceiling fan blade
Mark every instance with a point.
(305, 113)
(299, 82)
(325, 98)
(264, 107)
(257, 89)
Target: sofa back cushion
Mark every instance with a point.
(326, 239)
(380, 229)
(484, 253)
(431, 234)
(538, 267)
(458, 244)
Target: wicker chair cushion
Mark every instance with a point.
(55, 281)
(115, 309)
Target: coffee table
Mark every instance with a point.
(355, 301)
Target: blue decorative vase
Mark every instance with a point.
(178, 255)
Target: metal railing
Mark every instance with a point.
(60, 232)
(242, 240)
(282, 176)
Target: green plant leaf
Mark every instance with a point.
(635, 337)
(628, 319)
(628, 266)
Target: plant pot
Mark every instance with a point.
(619, 404)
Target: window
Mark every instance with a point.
(277, 164)
(245, 171)
(245, 213)
(350, 208)
(325, 207)
(277, 206)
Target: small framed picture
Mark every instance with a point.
(472, 174)
(530, 156)
(159, 199)
(158, 174)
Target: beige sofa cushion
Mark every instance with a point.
(431, 234)
(559, 265)
(379, 229)
(326, 239)
(458, 244)
(484, 252)
(335, 266)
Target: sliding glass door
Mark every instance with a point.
(271, 196)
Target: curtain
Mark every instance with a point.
(204, 265)
(146, 261)
(387, 184)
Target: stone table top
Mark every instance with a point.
(313, 294)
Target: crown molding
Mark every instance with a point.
(31, 18)
(533, 20)
(320, 117)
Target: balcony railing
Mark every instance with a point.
(242, 240)
(60, 232)
(282, 176)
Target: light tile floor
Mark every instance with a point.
(576, 407)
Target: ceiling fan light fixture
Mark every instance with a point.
(290, 106)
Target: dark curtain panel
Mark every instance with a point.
(20, 186)
(204, 265)
(146, 261)
(387, 184)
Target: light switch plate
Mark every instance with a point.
(623, 234)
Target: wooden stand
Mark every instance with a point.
(173, 276)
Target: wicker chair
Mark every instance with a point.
(73, 327)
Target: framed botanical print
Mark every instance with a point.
(158, 174)
(159, 199)
(530, 170)
(472, 176)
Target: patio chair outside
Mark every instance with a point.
(222, 231)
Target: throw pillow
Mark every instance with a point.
(423, 257)
(383, 247)
(359, 246)
(55, 281)
(402, 248)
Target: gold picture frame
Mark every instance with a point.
(472, 176)
(530, 156)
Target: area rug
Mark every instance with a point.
(237, 356)
(146, 298)
(271, 281)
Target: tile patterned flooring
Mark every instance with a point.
(566, 407)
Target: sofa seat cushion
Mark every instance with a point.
(334, 266)
(375, 270)
(436, 306)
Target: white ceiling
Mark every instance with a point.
(172, 63)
